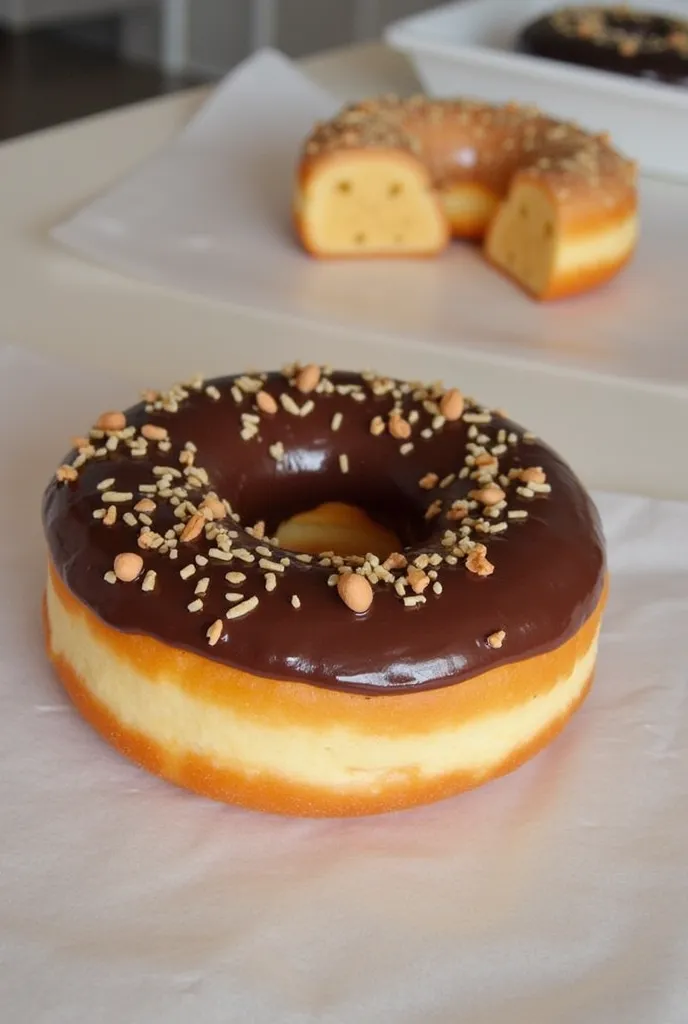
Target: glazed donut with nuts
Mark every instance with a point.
(555, 206)
(617, 38)
(321, 593)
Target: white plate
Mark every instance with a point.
(469, 48)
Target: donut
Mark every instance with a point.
(554, 205)
(321, 593)
(620, 39)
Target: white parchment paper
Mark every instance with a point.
(211, 214)
(557, 894)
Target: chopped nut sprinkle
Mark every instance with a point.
(214, 632)
(295, 601)
(429, 481)
(243, 608)
(148, 583)
(289, 405)
(344, 463)
(222, 556)
(267, 563)
(336, 421)
(495, 640)
(117, 496)
(195, 606)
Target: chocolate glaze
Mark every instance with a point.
(549, 569)
(655, 58)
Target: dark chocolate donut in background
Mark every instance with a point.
(615, 38)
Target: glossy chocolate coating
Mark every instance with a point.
(549, 569)
(655, 58)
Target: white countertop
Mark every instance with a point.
(618, 435)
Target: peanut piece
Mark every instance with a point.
(418, 580)
(533, 475)
(399, 427)
(308, 378)
(111, 421)
(214, 632)
(355, 592)
(193, 528)
(451, 404)
(127, 566)
(429, 481)
(395, 560)
(145, 505)
(266, 403)
(478, 563)
(490, 495)
(154, 433)
(212, 508)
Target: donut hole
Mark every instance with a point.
(338, 527)
(312, 511)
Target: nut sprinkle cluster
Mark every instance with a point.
(145, 484)
(207, 537)
(501, 139)
(629, 31)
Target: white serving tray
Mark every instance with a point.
(468, 48)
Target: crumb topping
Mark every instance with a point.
(519, 136)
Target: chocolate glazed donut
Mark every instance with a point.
(615, 38)
(501, 554)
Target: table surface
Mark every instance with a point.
(619, 435)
